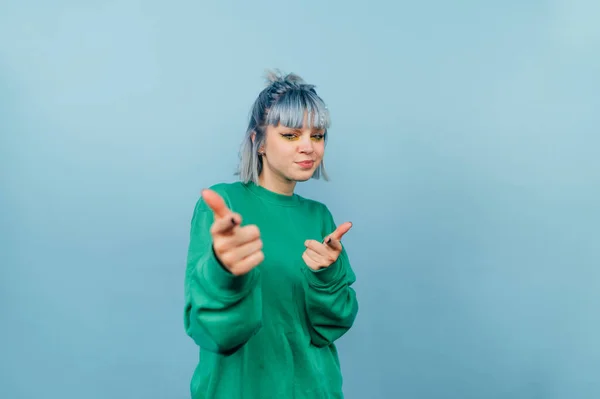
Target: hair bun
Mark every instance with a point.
(276, 76)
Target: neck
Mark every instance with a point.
(279, 186)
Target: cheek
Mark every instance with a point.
(282, 152)
(319, 149)
(280, 147)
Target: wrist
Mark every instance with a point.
(222, 280)
(324, 275)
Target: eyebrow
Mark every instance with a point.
(313, 130)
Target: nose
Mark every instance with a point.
(305, 146)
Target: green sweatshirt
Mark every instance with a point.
(268, 334)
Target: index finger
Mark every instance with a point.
(215, 203)
(340, 231)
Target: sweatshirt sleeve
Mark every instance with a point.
(330, 299)
(222, 311)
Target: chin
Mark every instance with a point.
(301, 177)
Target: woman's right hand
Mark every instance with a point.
(239, 249)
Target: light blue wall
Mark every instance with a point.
(465, 149)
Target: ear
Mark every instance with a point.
(253, 137)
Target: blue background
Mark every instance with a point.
(464, 148)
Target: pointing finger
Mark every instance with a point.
(216, 203)
(333, 243)
(340, 231)
(225, 224)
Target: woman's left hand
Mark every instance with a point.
(319, 255)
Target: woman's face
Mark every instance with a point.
(292, 155)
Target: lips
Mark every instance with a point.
(306, 164)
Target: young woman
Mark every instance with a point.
(268, 282)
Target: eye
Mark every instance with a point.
(289, 136)
(317, 137)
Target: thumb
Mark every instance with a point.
(215, 202)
